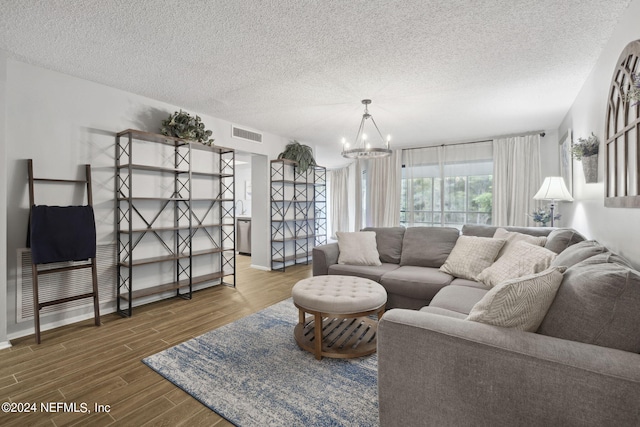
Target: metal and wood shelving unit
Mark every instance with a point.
(168, 222)
(298, 212)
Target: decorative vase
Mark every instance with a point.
(590, 168)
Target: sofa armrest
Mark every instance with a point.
(438, 370)
(323, 257)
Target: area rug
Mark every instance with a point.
(252, 373)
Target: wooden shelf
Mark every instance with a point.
(152, 168)
(215, 174)
(162, 229)
(292, 257)
(215, 148)
(153, 199)
(165, 258)
(205, 199)
(289, 239)
(154, 290)
(153, 137)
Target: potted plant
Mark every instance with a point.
(543, 216)
(300, 153)
(181, 125)
(633, 94)
(586, 151)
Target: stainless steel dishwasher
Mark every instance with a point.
(244, 235)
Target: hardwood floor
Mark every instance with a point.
(81, 363)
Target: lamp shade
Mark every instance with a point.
(553, 188)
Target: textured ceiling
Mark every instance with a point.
(437, 70)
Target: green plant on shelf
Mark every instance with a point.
(181, 125)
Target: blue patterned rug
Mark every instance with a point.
(253, 373)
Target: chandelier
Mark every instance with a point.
(363, 147)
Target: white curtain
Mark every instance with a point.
(339, 200)
(384, 186)
(516, 178)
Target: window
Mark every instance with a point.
(446, 193)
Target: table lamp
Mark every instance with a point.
(554, 189)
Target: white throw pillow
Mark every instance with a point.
(358, 248)
(471, 255)
(512, 236)
(521, 258)
(519, 303)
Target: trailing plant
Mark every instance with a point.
(300, 153)
(633, 94)
(181, 125)
(586, 147)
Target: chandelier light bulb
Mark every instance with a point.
(368, 146)
(344, 141)
(364, 136)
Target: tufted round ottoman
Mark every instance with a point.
(339, 307)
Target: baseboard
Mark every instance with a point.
(5, 344)
(260, 267)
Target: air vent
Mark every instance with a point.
(247, 135)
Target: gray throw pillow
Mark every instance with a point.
(578, 253)
(560, 239)
(597, 303)
(389, 240)
(428, 246)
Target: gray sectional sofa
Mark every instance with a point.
(581, 367)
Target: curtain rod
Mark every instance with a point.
(542, 134)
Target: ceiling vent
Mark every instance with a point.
(245, 134)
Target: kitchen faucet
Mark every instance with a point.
(241, 204)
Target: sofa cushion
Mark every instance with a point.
(519, 303)
(512, 237)
(389, 242)
(470, 283)
(428, 246)
(521, 259)
(561, 238)
(421, 283)
(597, 303)
(443, 312)
(366, 271)
(460, 299)
(471, 255)
(358, 248)
(578, 253)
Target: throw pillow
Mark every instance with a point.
(389, 241)
(519, 303)
(471, 255)
(597, 304)
(428, 246)
(578, 253)
(521, 258)
(512, 237)
(358, 248)
(561, 238)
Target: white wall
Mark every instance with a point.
(617, 228)
(3, 202)
(62, 122)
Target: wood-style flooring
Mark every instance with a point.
(82, 363)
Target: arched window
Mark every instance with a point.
(622, 135)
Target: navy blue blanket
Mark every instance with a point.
(62, 233)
